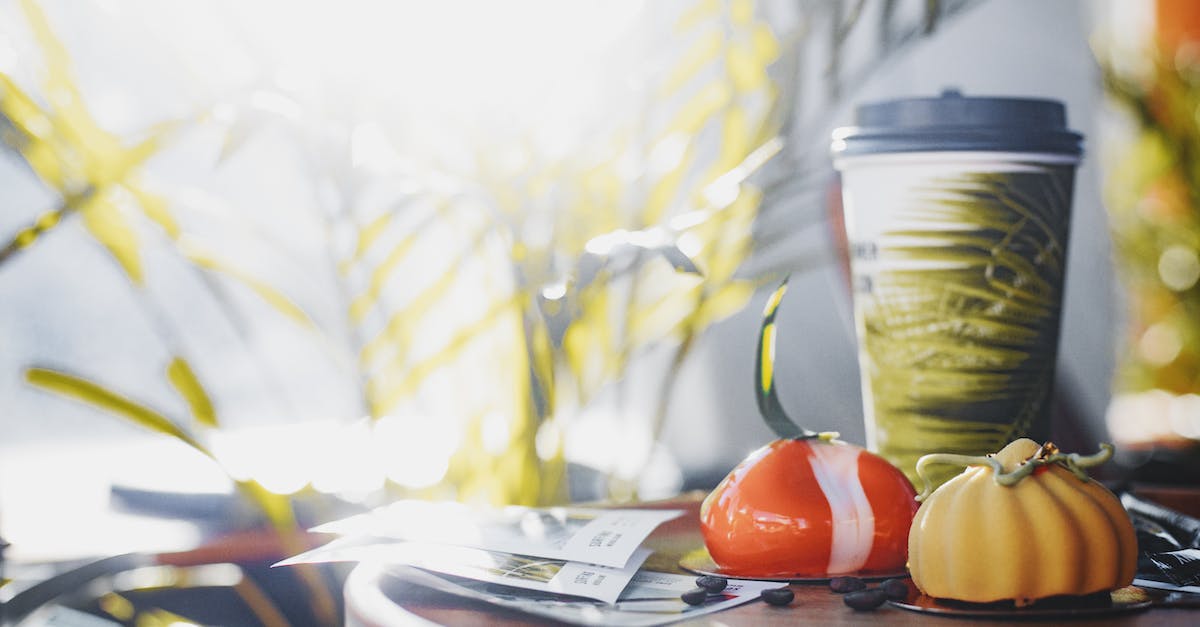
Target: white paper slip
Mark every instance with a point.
(595, 536)
(603, 583)
(651, 598)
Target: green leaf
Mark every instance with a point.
(100, 397)
(180, 374)
(764, 374)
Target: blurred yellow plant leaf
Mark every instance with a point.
(259, 602)
(65, 146)
(588, 343)
(269, 294)
(68, 116)
(158, 617)
(154, 207)
(106, 222)
(702, 54)
(404, 378)
(711, 114)
(117, 606)
(736, 138)
(400, 324)
(33, 131)
(697, 14)
(366, 237)
(697, 112)
(541, 359)
(98, 396)
(745, 70)
(766, 45)
(379, 276)
(666, 189)
(181, 376)
(725, 301)
(741, 12)
(27, 236)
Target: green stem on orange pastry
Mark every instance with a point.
(764, 378)
(1047, 454)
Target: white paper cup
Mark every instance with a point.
(958, 242)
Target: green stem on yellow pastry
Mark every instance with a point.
(1046, 455)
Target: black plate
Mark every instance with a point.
(701, 563)
(1124, 600)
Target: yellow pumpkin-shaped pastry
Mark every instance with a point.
(1022, 525)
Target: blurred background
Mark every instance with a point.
(313, 253)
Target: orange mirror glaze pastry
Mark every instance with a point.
(809, 507)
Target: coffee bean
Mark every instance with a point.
(712, 583)
(895, 589)
(695, 596)
(778, 596)
(846, 584)
(864, 600)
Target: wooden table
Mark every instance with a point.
(372, 602)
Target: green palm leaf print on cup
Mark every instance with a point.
(958, 304)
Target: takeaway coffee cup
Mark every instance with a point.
(957, 211)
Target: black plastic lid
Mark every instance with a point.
(958, 123)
